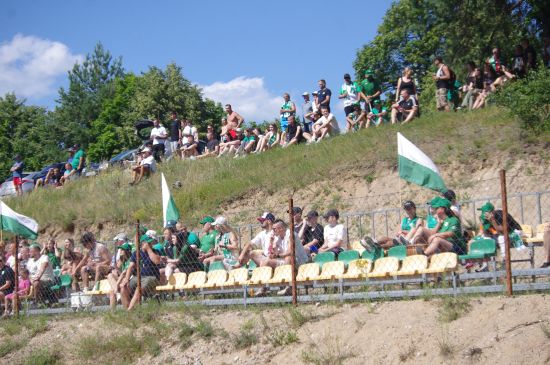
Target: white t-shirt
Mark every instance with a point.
(332, 121)
(149, 160)
(34, 267)
(334, 234)
(351, 90)
(189, 130)
(261, 241)
(284, 245)
(157, 132)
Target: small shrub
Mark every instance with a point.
(117, 348)
(453, 308)
(280, 337)
(42, 357)
(7, 346)
(446, 349)
(204, 329)
(297, 319)
(330, 354)
(246, 336)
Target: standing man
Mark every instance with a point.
(234, 120)
(442, 77)
(79, 160)
(370, 90)
(17, 172)
(175, 135)
(323, 95)
(287, 109)
(159, 136)
(349, 93)
(307, 109)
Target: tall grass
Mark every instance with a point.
(209, 185)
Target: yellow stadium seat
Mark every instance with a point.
(282, 275)
(357, 269)
(332, 270)
(355, 245)
(538, 238)
(384, 267)
(237, 277)
(260, 275)
(216, 279)
(195, 280)
(442, 262)
(412, 265)
(103, 288)
(527, 230)
(169, 286)
(180, 280)
(308, 272)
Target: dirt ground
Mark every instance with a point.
(495, 330)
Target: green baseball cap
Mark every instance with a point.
(369, 72)
(146, 238)
(487, 207)
(125, 246)
(207, 219)
(440, 202)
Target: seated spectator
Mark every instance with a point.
(118, 272)
(405, 109)
(212, 146)
(96, 260)
(325, 126)
(23, 291)
(227, 245)
(189, 133)
(7, 280)
(298, 220)
(232, 144)
(502, 73)
(455, 206)
(489, 76)
(53, 252)
(258, 248)
(71, 259)
(247, 143)
(334, 234)
(293, 133)
(150, 262)
(183, 254)
(518, 63)
(311, 233)
(446, 236)
(23, 257)
(41, 274)
(356, 120)
(189, 149)
(378, 114)
(67, 174)
(10, 255)
(270, 140)
(546, 244)
(146, 166)
(208, 237)
(405, 231)
(406, 82)
(473, 86)
(496, 218)
(53, 178)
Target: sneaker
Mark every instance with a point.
(261, 292)
(367, 247)
(482, 268)
(285, 291)
(404, 240)
(372, 243)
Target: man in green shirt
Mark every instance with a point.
(79, 160)
(369, 90)
(208, 237)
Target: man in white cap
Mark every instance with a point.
(146, 166)
(307, 108)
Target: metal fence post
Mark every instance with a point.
(539, 209)
(292, 251)
(16, 279)
(373, 227)
(138, 262)
(505, 232)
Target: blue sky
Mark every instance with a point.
(244, 52)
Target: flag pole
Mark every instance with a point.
(16, 279)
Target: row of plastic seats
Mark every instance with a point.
(533, 236)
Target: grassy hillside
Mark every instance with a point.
(208, 184)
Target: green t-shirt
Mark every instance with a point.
(193, 239)
(432, 222)
(452, 224)
(76, 158)
(408, 224)
(370, 87)
(248, 139)
(54, 260)
(208, 241)
(160, 248)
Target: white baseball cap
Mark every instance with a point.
(146, 149)
(305, 94)
(220, 221)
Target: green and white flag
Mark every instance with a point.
(169, 210)
(16, 223)
(416, 167)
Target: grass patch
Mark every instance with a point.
(204, 329)
(446, 349)
(43, 357)
(7, 346)
(331, 353)
(246, 336)
(453, 308)
(281, 337)
(32, 324)
(211, 183)
(117, 349)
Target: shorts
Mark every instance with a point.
(441, 98)
(17, 181)
(233, 134)
(148, 284)
(284, 124)
(348, 109)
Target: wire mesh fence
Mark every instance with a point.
(430, 244)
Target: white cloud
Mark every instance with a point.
(29, 65)
(248, 96)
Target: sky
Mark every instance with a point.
(244, 52)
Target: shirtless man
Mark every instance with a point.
(234, 120)
(96, 260)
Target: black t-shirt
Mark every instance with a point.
(212, 144)
(291, 131)
(174, 130)
(311, 233)
(407, 104)
(512, 223)
(148, 267)
(7, 274)
(322, 95)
